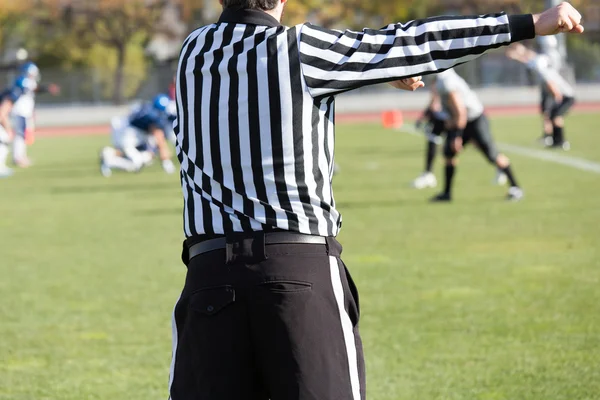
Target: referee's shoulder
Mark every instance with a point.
(197, 32)
(312, 33)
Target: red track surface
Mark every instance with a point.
(493, 111)
(340, 118)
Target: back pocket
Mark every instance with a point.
(286, 286)
(210, 301)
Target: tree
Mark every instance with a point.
(198, 12)
(331, 13)
(115, 24)
(12, 18)
(354, 14)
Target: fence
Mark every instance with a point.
(94, 86)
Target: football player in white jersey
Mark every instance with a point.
(548, 45)
(562, 93)
(433, 123)
(467, 122)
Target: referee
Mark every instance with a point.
(268, 310)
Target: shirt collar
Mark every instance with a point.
(248, 16)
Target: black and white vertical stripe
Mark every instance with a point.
(255, 129)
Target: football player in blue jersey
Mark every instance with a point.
(7, 100)
(23, 110)
(137, 138)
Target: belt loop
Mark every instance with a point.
(231, 248)
(243, 248)
(261, 244)
(333, 247)
(230, 256)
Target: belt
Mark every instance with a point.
(270, 238)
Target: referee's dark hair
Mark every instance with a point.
(252, 4)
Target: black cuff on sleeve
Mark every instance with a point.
(43, 89)
(521, 27)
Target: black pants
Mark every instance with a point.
(560, 109)
(276, 322)
(479, 132)
(547, 101)
(438, 126)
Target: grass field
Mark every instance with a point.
(479, 299)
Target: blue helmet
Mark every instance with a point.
(161, 102)
(31, 70)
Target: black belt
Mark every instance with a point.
(270, 238)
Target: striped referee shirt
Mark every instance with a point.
(255, 103)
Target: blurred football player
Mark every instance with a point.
(467, 122)
(548, 46)
(171, 117)
(562, 94)
(7, 100)
(23, 111)
(433, 123)
(137, 138)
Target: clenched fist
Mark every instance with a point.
(562, 18)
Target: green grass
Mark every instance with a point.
(479, 299)
(582, 130)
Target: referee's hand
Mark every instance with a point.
(562, 18)
(410, 84)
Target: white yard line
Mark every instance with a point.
(551, 156)
(544, 155)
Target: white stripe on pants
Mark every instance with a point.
(347, 327)
(175, 340)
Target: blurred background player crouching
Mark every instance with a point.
(137, 138)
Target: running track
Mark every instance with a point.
(340, 118)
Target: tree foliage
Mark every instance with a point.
(74, 33)
(114, 24)
(11, 20)
(111, 35)
(350, 13)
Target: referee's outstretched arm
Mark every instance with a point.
(335, 61)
